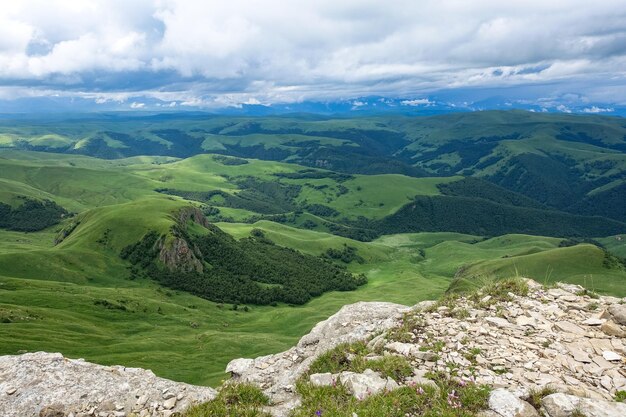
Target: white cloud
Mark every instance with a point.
(137, 105)
(563, 108)
(596, 109)
(211, 51)
(416, 102)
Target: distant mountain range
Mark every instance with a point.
(438, 103)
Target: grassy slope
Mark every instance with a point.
(60, 284)
(581, 264)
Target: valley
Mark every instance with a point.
(419, 206)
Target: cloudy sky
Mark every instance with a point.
(211, 53)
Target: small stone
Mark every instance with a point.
(505, 404)
(564, 405)
(593, 321)
(365, 384)
(54, 410)
(618, 312)
(498, 321)
(579, 355)
(525, 321)
(325, 379)
(425, 356)
(11, 391)
(238, 366)
(401, 348)
(169, 404)
(611, 356)
(612, 329)
(569, 327)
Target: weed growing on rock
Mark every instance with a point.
(353, 357)
(411, 325)
(499, 290)
(449, 398)
(344, 357)
(241, 400)
(392, 366)
(536, 395)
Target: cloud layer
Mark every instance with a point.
(215, 53)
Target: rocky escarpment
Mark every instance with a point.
(563, 342)
(49, 385)
(277, 374)
(175, 252)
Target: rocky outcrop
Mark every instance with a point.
(193, 214)
(49, 385)
(177, 255)
(505, 404)
(175, 252)
(550, 338)
(277, 374)
(562, 338)
(563, 405)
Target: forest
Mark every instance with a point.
(31, 215)
(252, 270)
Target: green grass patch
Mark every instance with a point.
(449, 399)
(241, 400)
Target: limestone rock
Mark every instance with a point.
(238, 367)
(54, 410)
(366, 384)
(320, 380)
(618, 312)
(546, 338)
(569, 327)
(50, 385)
(611, 356)
(563, 405)
(612, 329)
(352, 323)
(406, 349)
(505, 404)
(594, 321)
(498, 321)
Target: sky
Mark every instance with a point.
(135, 54)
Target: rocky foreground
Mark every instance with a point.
(564, 338)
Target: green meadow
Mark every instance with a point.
(77, 296)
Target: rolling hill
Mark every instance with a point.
(418, 205)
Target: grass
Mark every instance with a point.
(448, 399)
(536, 395)
(58, 286)
(241, 400)
(371, 196)
(353, 357)
(620, 396)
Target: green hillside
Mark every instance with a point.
(417, 205)
(568, 162)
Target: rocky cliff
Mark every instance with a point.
(563, 338)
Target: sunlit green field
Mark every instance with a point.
(76, 297)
